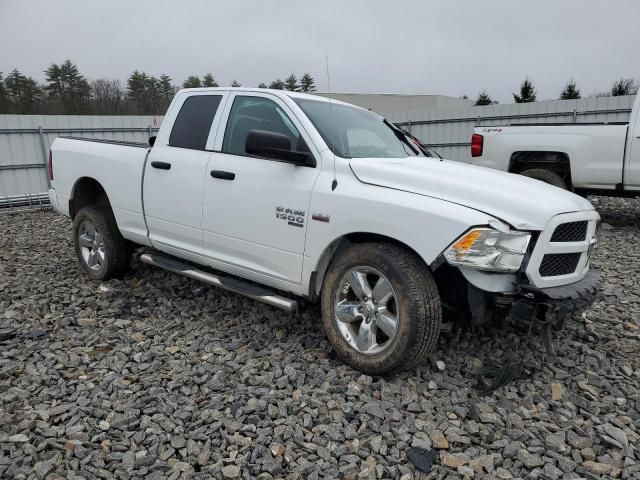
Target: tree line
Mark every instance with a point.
(527, 92)
(67, 92)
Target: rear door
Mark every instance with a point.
(175, 173)
(255, 210)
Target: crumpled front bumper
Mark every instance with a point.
(552, 306)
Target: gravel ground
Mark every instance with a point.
(157, 376)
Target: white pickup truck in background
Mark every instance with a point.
(276, 194)
(583, 157)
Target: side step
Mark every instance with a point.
(232, 284)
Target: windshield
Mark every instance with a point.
(353, 132)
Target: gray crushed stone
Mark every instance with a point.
(156, 376)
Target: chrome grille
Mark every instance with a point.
(570, 232)
(555, 264)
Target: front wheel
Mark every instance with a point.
(101, 250)
(381, 308)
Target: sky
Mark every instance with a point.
(446, 47)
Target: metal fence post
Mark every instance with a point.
(45, 155)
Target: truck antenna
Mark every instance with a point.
(334, 184)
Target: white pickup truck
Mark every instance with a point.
(586, 158)
(275, 194)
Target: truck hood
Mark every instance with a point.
(524, 203)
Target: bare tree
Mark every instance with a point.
(108, 96)
(624, 86)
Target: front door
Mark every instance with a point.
(256, 210)
(174, 175)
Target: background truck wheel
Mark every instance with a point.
(546, 176)
(102, 252)
(380, 308)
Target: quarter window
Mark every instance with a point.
(193, 123)
(258, 113)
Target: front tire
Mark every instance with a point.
(101, 250)
(380, 308)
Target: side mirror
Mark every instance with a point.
(277, 146)
(152, 141)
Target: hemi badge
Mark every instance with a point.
(321, 217)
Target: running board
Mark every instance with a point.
(232, 284)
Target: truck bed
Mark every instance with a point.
(595, 152)
(115, 164)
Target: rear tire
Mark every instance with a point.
(546, 176)
(362, 330)
(101, 250)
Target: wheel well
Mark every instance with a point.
(557, 162)
(87, 191)
(315, 286)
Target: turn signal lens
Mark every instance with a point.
(467, 241)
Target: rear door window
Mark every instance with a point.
(193, 123)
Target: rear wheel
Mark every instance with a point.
(380, 308)
(101, 250)
(546, 176)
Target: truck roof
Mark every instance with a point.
(281, 93)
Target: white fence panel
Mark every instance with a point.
(25, 142)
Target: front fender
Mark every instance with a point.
(425, 225)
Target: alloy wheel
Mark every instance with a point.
(366, 310)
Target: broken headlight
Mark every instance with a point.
(489, 249)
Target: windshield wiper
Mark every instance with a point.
(404, 137)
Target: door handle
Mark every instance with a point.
(222, 175)
(161, 165)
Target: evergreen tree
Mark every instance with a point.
(527, 92)
(4, 97)
(484, 99)
(153, 91)
(166, 88)
(277, 84)
(24, 93)
(167, 91)
(55, 86)
(68, 88)
(209, 81)
(262, 85)
(307, 83)
(235, 83)
(570, 91)
(148, 94)
(624, 86)
(192, 82)
(291, 83)
(136, 91)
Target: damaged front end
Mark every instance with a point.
(475, 298)
(549, 308)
